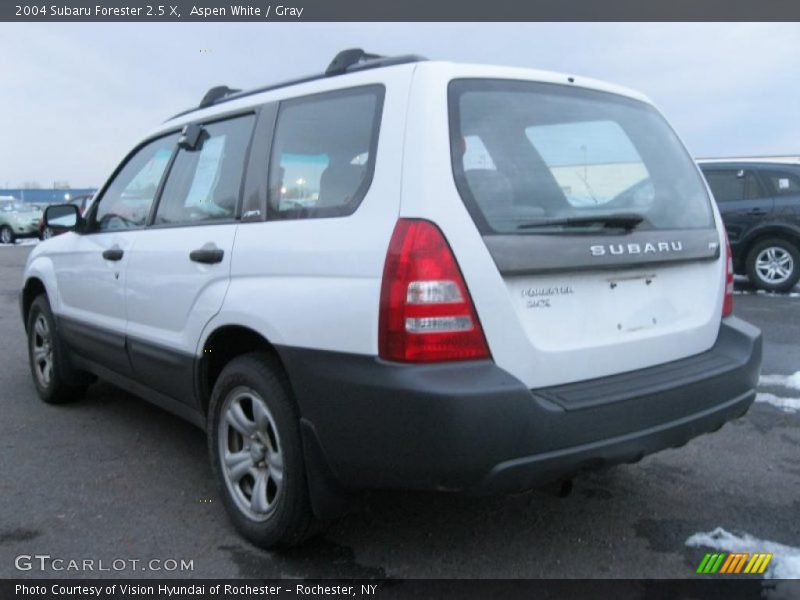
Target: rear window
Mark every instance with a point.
(529, 156)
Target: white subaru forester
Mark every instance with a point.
(401, 274)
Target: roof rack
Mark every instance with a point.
(346, 61)
(216, 93)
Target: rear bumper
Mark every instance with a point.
(474, 427)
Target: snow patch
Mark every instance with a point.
(788, 381)
(789, 405)
(766, 293)
(785, 563)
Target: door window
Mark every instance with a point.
(127, 200)
(323, 153)
(734, 184)
(783, 183)
(205, 182)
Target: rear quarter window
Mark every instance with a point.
(323, 153)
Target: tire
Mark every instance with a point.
(51, 374)
(773, 264)
(252, 398)
(7, 235)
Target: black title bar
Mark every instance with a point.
(407, 10)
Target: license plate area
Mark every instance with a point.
(637, 302)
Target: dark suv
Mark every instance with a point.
(760, 205)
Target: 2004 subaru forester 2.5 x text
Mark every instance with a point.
(401, 274)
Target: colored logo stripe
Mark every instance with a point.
(727, 564)
(758, 564)
(735, 562)
(711, 563)
(703, 564)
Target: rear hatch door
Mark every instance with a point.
(599, 226)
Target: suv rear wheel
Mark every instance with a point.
(773, 264)
(50, 372)
(256, 453)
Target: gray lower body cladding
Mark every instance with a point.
(471, 426)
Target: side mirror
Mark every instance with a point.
(62, 216)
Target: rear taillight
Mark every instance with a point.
(727, 303)
(426, 313)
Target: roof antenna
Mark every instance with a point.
(346, 59)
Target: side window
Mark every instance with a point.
(731, 185)
(126, 202)
(323, 153)
(783, 183)
(204, 182)
(752, 187)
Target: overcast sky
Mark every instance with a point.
(74, 98)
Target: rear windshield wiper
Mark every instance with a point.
(626, 221)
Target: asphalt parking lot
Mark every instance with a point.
(114, 478)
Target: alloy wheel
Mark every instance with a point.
(42, 350)
(250, 453)
(774, 265)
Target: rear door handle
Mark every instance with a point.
(114, 253)
(207, 255)
(757, 212)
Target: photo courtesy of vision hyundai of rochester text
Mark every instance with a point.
(392, 275)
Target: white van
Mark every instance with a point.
(401, 274)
